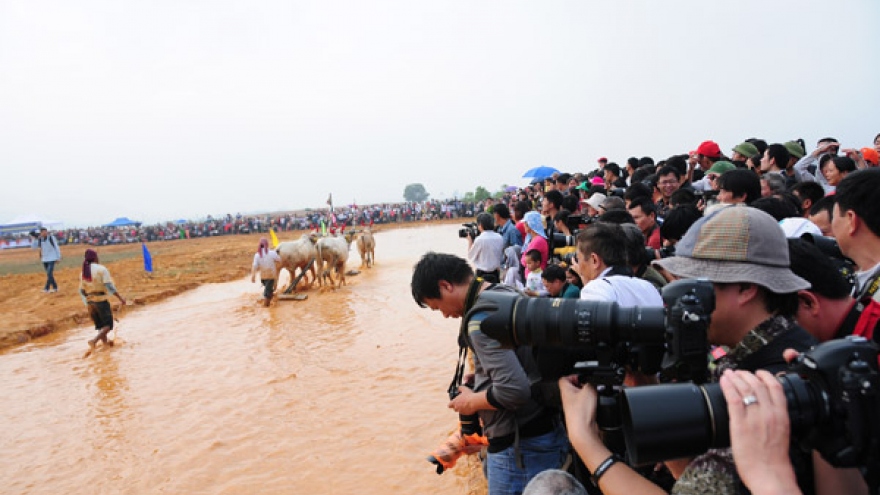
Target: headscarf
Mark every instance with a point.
(533, 220)
(91, 257)
(264, 247)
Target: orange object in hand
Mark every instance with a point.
(454, 447)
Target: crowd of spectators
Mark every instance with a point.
(335, 219)
(739, 220)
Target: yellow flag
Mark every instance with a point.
(274, 238)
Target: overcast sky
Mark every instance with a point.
(158, 110)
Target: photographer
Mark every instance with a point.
(525, 437)
(744, 253)
(486, 250)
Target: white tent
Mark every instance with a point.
(25, 223)
(32, 218)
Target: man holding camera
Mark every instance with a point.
(525, 437)
(744, 253)
(486, 250)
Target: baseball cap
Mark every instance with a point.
(709, 149)
(595, 200)
(795, 149)
(720, 167)
(871, 156)
(746, 149)
(597, 181)
(736, 244)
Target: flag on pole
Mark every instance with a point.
(274, 238)
(148, 260)
(330, 201)
(323, 227)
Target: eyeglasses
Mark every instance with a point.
(711, 176)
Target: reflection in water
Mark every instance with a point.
(211, 393)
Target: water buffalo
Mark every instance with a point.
(334, 251)
(298, 254)
(366, 247)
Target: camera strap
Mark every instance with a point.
(870, 288)
(469, 301)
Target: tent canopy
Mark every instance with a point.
(122, 222)
(26, 223)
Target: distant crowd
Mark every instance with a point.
(338, 218)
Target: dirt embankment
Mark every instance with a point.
(178, 266)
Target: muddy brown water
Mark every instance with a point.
(208, 392)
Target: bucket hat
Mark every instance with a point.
(736, 244)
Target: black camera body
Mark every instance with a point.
(574, 223)
(470, 423)
(833, 396)
(469, 230)
(664, 252)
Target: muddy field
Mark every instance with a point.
(178, 266)
(210, 392)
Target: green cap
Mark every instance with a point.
(721, 167)
(795, 149)
(746, 149)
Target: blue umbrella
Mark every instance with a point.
(540, 172)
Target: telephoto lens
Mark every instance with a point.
(833, 398)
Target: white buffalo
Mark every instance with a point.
(334, 251)
(366, 247)
(298, 254)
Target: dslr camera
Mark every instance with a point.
(664, 252)
(469, 230)
(833, 397)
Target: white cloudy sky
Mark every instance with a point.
(165, 109)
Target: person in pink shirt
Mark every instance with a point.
(536, 238)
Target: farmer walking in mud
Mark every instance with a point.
(94, 286)
(266, 261)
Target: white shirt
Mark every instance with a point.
(625, 291)
(487, 252)
(266, 265)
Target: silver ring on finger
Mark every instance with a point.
(749, 400)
